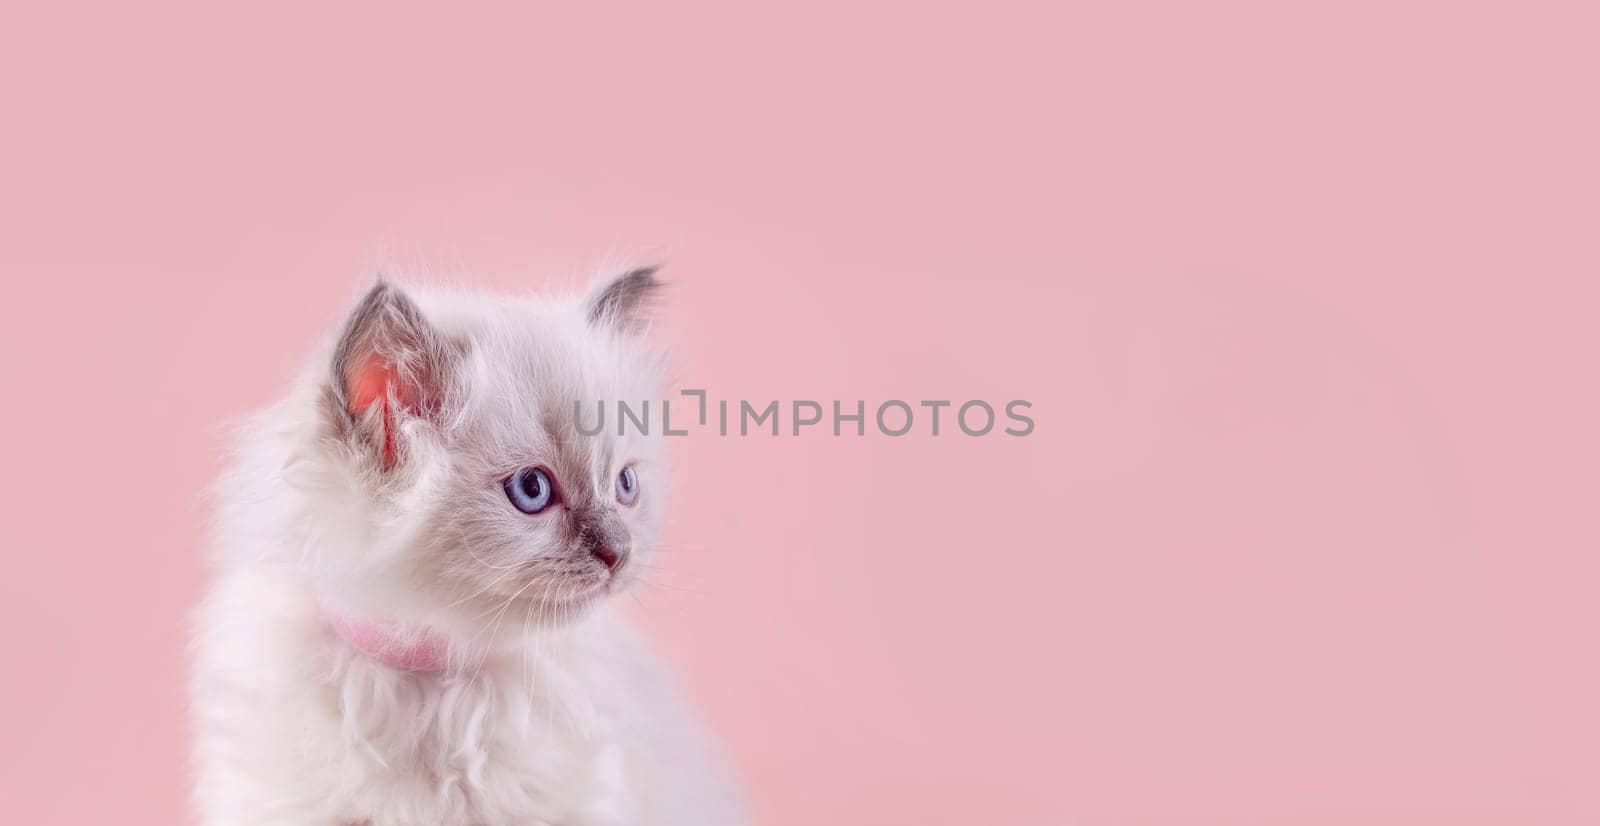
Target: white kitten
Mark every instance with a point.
(410, 625)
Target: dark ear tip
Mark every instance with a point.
(384, 296)
(622, 298)
(643, 278)
(382, 287)
(378, 294)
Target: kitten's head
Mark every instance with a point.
(449, 483)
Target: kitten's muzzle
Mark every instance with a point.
(605, 538)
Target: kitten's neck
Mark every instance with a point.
(419, 648)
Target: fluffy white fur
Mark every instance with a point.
(551, 712)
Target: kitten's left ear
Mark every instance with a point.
(624, 302)
(390, 363)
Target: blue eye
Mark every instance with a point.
(530, 490)
(627, 486)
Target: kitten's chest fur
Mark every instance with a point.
(508, 743)
(305, 724)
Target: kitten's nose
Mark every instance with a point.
(608, 553)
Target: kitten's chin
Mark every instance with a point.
(548, 612)
(564, 614)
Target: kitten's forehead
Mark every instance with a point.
(536, 364)
(554, 358)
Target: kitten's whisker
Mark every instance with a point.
(475, 594)
(481, 561)
(495, 629)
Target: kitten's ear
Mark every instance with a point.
(389, 363)
(624, 302)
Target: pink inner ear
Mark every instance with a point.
(370, 384)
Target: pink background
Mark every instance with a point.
(1305, 301)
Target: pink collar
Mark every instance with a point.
(422, 651)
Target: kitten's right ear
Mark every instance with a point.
(390, 363)
(622, 302)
